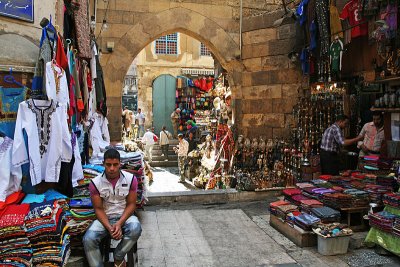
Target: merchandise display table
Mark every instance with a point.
(297, 235)
(354, 217)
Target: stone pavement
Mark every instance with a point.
(165, 179)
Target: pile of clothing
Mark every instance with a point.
(135, 165)
(283, 209)
(382, 220)
(47, 232)
(79, 218)
(306, 221)
(376, 193)
(388, 181)
(337, 200)
(14, 244)
(392, 199)
(326, 214)
(307, 204)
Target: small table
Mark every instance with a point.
(361, 211)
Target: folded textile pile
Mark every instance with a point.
(389, 181)
(306, 221)
(382, 220)
(79, 218)
(14, 244)
(288, 192)
(307, 204)
(337, 200)
(282, 211)
(273, 206)
(376, 193)
(47, 232)
(297, 198)
(392, 199)
(136, 166)
(304, 185)
(326, 214)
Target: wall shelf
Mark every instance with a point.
(389, 110)
(388, 80)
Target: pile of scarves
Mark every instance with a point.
(326, 214)
(135, 165)
(382, 220)
(392, 199)
(47, 232)
(306, 221)
(15, 246)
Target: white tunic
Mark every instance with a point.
(49, 140)
(61, 94)
(77, 171)
(99, 135)
(10, 176)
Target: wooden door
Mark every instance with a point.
(164, 87)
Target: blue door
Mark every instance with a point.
(164, 87)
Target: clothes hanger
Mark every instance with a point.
(10, 79)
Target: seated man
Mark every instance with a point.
(113, 195)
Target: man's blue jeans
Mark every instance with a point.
(141, 130)
(96, 232)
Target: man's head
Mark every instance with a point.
(139, 110)
(342, 121)
(180, 137)
(164, 128)
(112, 163)
(191, 135)
(178, 110)
(377, 119)
(126, 107)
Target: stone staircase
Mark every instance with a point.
(158, 160)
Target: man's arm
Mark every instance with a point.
(351, 141)
(129, 210)
(97, 203)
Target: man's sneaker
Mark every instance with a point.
(162, 155)
(165, 159)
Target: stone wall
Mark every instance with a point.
(271, 82)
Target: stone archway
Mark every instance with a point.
(179, 19)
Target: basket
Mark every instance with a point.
(329, 246)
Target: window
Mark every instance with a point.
(204, 51)
(167, 45)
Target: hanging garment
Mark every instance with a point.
(336, 25)
(301, 11)
(77, 171)
(322, 10)
(49, 140)
(9, 101)
(82, 29)
(61, 57)
(352, 12)
(85, 86)
(335, 53)
(99, 135)
(56, 84)
(313, 36)
(390, 17)
(10, 176)
(93, 69)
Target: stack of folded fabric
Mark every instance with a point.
(14, 245)
(79, 218)
(376, 193)
(337, 200)
(306, 221)
(326, 214)
(359, 197)
(282, 211)
(275, 204)
(355, 183)
(304, 185)
(320, 192)
(396, 227)
(388, 181)
(47, 232)
(136, 166)
(382, 220)
(317, 182)
(308, 192)
(297, 198)
(392, 199)
(307, 204)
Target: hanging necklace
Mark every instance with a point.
(57, 76)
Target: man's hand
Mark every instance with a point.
(364, 148)
(116, 231)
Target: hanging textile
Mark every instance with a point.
(82, 29)
(49, 140)
(335, 24)
(10, 176)
(322, 11)
(56, 83)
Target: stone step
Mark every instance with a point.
(163, 164)
(159, 152)
(173, 157)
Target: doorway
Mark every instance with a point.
(164, 87)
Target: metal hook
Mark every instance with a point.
(68, 41)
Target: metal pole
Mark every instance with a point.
(240, 27)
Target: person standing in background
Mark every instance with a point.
(148, 141)
(141, 119)
(373, 136)
(192, 142)
(182, 151)
(332, 141)
(164, 142)
(175, 116)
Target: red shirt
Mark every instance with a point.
(352, 12)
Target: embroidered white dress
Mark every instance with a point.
(77, 171)
(49, 140)
(56, 84)
(10, 176)
(99, 135)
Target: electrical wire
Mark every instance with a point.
(104, 19)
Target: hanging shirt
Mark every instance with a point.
(49, 140)
(77, 171)
(335, 24)
(352, 12)
(56, 84)
(301, 11)
(10, 176)
(313, 36)
(335, 53)
(99, 136)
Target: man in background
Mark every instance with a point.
(141, 119)
(373, 135)
(148, 140)
(175, 116)
(182, 151)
